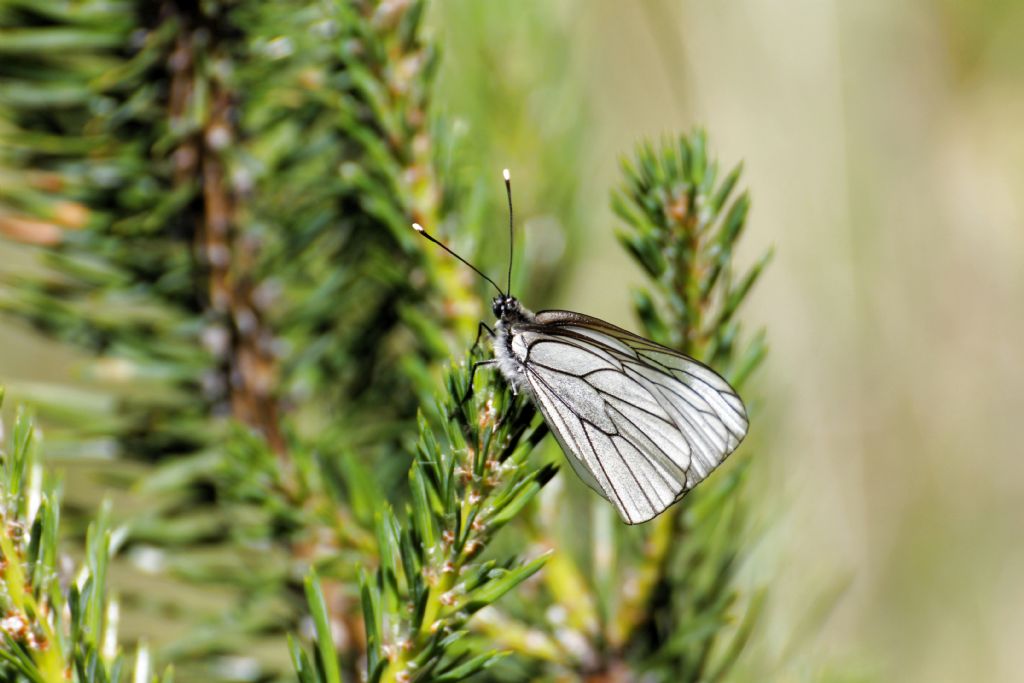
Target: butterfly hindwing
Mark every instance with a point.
(641, 424)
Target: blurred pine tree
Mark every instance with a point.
(221, 195)
(216, 197)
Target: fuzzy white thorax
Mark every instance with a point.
(509, 349)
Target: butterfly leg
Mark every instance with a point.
(479, 333)
(472, 376)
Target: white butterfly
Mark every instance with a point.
(641, 424)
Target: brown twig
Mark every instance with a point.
(247, 363)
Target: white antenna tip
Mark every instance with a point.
(508, 176)
(417, 227)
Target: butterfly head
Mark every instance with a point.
(507, 307)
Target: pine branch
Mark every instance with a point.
(221, 196)
(469, 481)
(668, 603)
(657, 601)
(56, 625)
(683, 225)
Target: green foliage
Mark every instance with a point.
(657, 600)
(683, 227)
(215, 162)
(471, 478)
(57, 624)
(219, 195)
(683, 224)
(215, 200)
(531, 113)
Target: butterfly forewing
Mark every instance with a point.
(641, 424)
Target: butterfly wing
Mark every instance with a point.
(640, 423)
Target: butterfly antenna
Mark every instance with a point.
(511, 229)
(419, 228)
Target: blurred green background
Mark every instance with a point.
(884, 151)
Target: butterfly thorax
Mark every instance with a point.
(510, 313)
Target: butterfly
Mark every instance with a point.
(640, 423)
